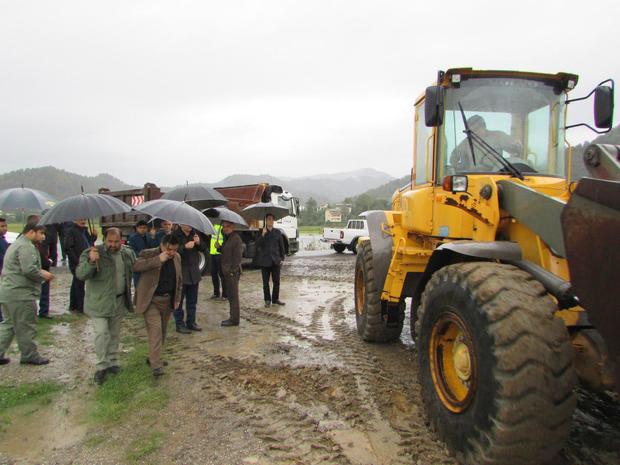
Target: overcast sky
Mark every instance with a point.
(195, 90)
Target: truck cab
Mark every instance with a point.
(288, 224)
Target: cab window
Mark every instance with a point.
(423, 170)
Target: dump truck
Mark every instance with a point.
(240, 197)
(510, 266)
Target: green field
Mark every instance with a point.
(311, 230)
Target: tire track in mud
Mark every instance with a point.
(385, 379)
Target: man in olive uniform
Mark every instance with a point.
(20, 287)
(106, 269)
(232, 251)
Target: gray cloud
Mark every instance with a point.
(175, 91)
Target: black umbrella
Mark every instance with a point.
(196, 195)
(22, 198)
(177, 212)
(258, 211)
(220, 214)
(87, 206)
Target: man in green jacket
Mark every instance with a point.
(106, 269)
(20, 288)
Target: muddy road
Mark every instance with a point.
(290, 385)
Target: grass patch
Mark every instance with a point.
(45, 335)
(311, 230)
(28, 393)
(144, 446)
(133, 389)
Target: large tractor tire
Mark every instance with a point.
(373, 324)
(495, 365)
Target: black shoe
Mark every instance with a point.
(35, 361)
(230, 323)
(115, 370)
(183, 330)
(100, 377)
(148, 362)
(157, 372)
(4, 360)
(194, 328)
(278, 302)
(215, 296)
(267, 303)
(46, 316)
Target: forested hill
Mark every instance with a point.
(59, 183)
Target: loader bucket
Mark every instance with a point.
(591, 228)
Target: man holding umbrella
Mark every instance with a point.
(77, 240)
(107, 269)
(270, 254)
(20, 287)
(190, 244)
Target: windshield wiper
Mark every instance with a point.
(468, 133)
(474, 138)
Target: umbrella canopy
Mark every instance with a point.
(198, 196)
(86, 206)
(177, 212)
(258, 211)
(22, 198)
(224, 214)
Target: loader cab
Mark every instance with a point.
(477, 127)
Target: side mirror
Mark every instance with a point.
(603, 107)
(433, 106)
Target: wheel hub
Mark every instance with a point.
(453, 362)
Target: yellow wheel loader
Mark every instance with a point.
(512, 269)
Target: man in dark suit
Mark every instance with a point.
(77, 240)
(231, 252)
(270, 254)
(158, 294)
(190, 246)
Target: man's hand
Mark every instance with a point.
(47, 276)
(153, 232)
(264, 230)
(196, 239)
(93, 255)
(189, 245)
(163, 257)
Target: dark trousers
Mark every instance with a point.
(190, 296)
(274, 272)
(1, 316)
(53, 253)
(76, 296)
(44, 300)
(217, 276)
(232, 287)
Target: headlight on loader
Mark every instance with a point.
(455, 184)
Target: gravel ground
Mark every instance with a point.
(290, 385)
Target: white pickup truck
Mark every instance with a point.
(341, 239)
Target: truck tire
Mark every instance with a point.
(372, 321)
(495, 365)
(339, 248)
(203, 262)
(353, 246)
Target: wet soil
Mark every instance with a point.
(290, 385)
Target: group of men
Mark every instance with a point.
(163, 266)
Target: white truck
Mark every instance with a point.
(346, 238)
